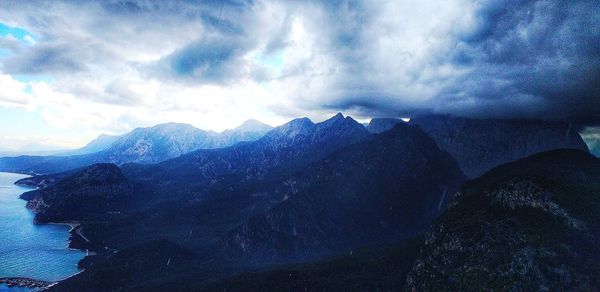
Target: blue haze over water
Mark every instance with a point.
(28, 250)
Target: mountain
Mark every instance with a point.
(142, 145)
(250, 130)
(325, 188)
(481, 144)
(374, 268)
(208, 189)
(380, 125)
(97, 189)
(332, 177)
(306, 192)
(158, 143)
(595, 149)
(32, 149)
(278, 153)
(102, 142)
(386, 189)
(15, 153)
(529, 225)
(591, 136)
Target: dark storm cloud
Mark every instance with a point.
(497, 58)
(206, 60)
(519, 59)
(540, 55)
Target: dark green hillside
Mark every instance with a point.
(366, 269)
(530, 225)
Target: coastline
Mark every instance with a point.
(75, 236)
(23, 282)
(76, 241)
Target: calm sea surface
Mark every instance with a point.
(28, 250)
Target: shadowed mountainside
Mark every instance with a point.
(478, 145)
(94, 191)
(303, 192)
(381, 203)
(533, 224)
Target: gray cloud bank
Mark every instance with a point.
(511, 59)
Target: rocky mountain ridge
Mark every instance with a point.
(481, 144)
(142, 145)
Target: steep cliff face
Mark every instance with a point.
(479, 145)
(530, 225)
(381, 190)
(96, 190)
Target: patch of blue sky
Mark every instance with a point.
(32, 78)
(4, 53)
(275, 61)
(16, 32)
(30, 122)
(28, 79)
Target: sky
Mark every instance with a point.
(71, 70)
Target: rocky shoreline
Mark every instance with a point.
(76, 241)
(24, 282)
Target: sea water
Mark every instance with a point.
(27, 250)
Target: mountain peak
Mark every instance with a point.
(292, 128)
(299, 122)
(100, 173)
(251, 125)
(172, 125)
(337, 117)
(333, 120)
(379, 125)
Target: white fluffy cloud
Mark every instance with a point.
(13, 93)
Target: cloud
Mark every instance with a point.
(13, 93)
(46, 58)
(117, 64)
(209, 60)
(533, 58)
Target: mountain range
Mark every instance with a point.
(482, 144)
(276, 200)
(310, 198)
(142, 145)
